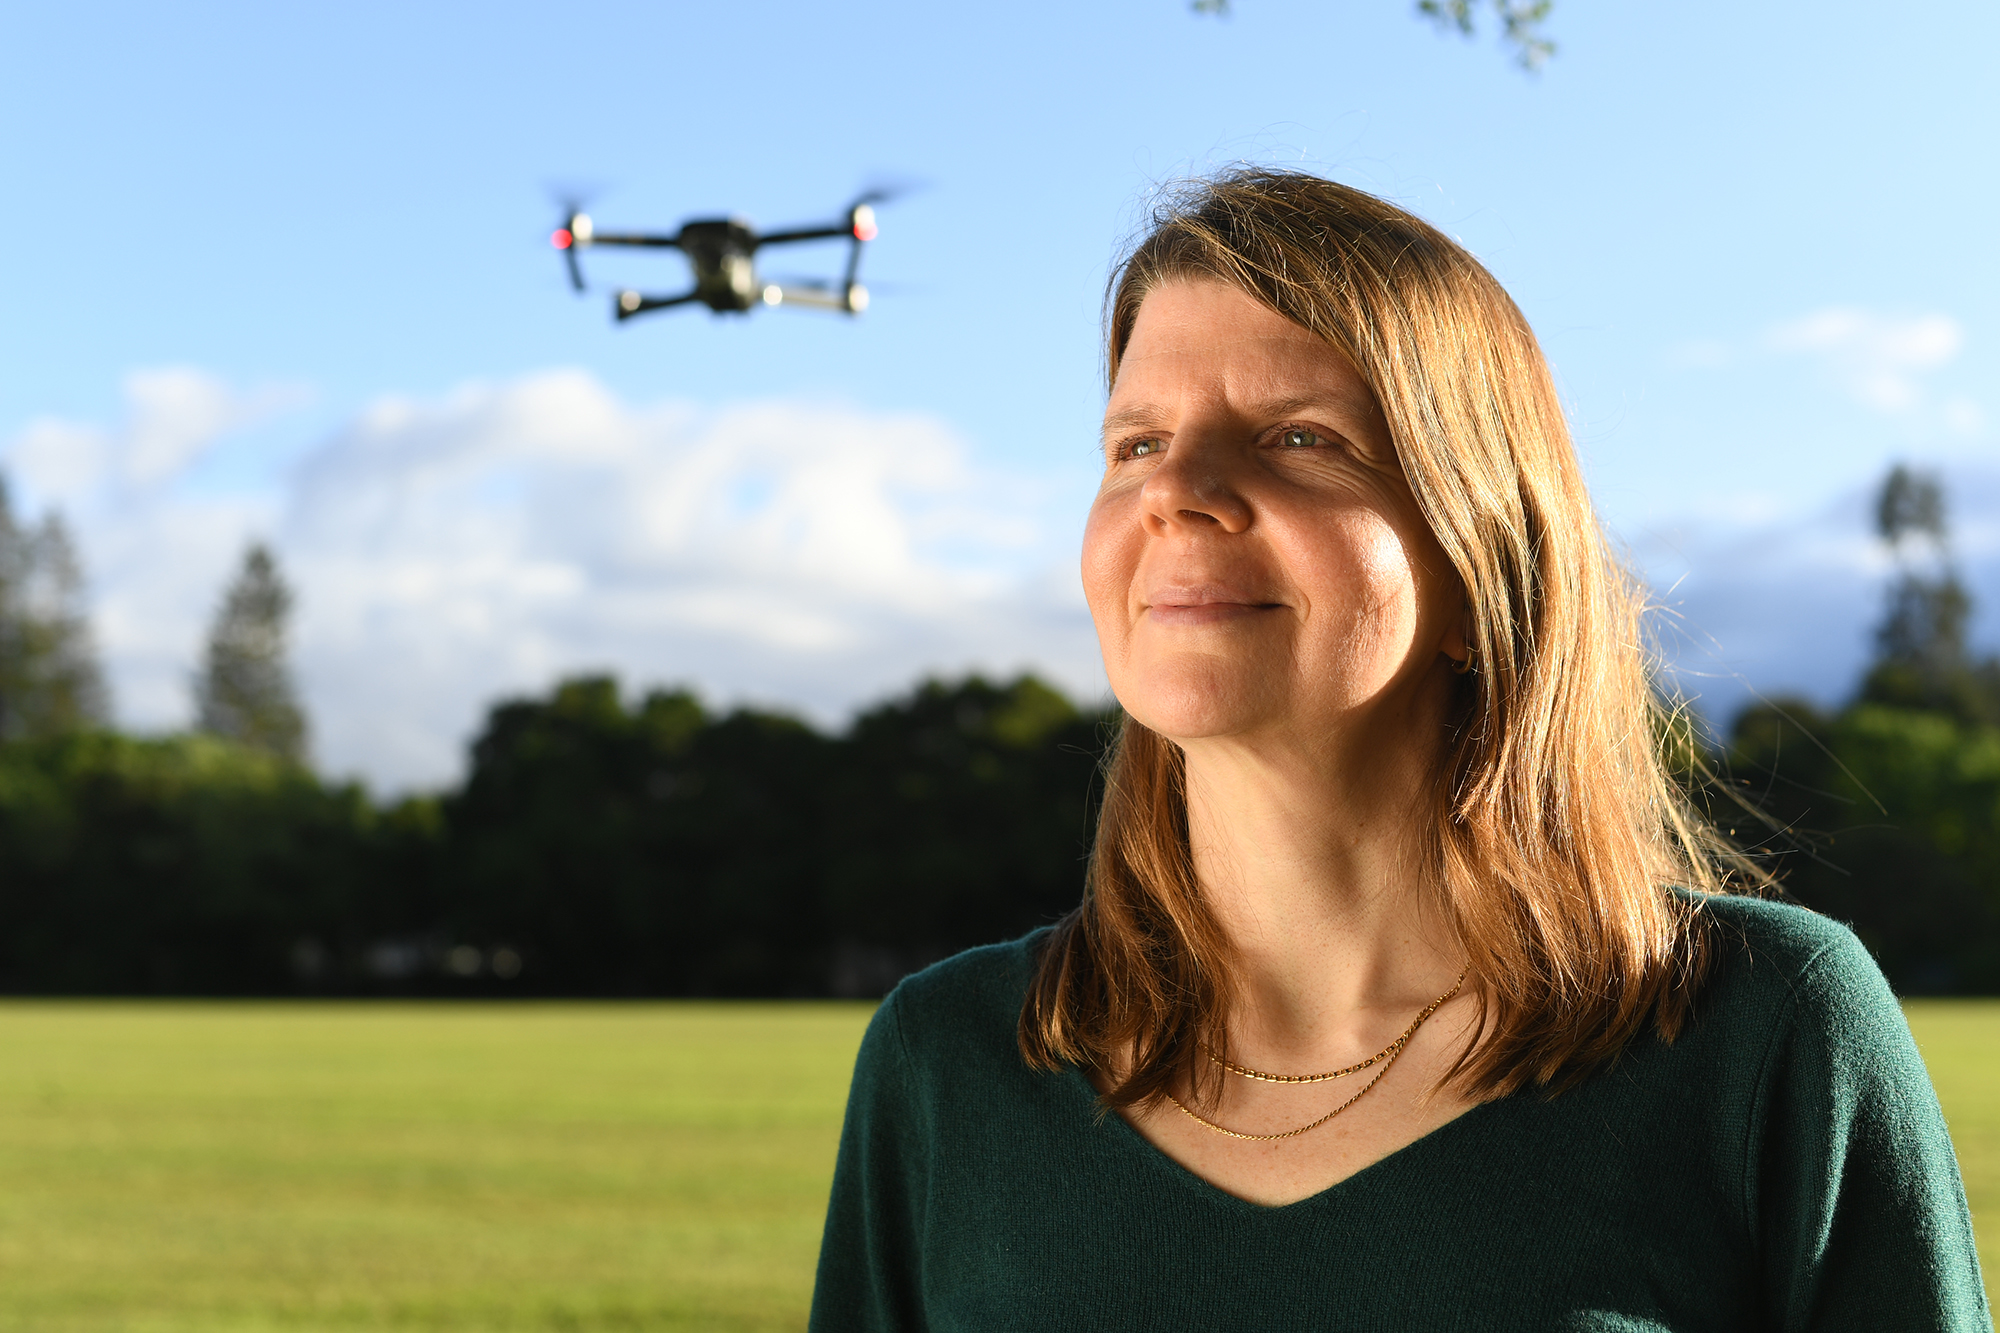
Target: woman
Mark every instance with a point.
(1403, 994)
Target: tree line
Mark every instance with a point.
(609, 844)
(598, 846)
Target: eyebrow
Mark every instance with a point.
(1304, 403)
(1132, 418)
(1143, 417)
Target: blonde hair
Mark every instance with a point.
(1560, 833)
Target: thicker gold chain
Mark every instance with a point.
(1386, 1057)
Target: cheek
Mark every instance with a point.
(1110, 560)
(1389, 576)
(1364, 595)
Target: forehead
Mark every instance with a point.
(1205, 338)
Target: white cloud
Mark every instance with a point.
(174, 417)
(1880, 358)
(450, 551)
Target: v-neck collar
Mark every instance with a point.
(1132, 1144)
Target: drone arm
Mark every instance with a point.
(635, 238)
(805, 234)
(578, 232)
(629, 303)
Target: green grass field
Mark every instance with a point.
(235, 1167)
(1960, 1040)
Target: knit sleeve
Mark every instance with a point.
(869, 1266)
(1854, 1189)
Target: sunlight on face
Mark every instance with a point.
(1255, 561)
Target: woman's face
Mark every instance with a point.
(1255, 561)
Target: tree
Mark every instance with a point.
(964, 814)
(1520, 22)
(656, 849)
(1883, 813)
(1910, 506)
(1922, 658)
(1883, 817)
(49, 678)
(647, 850)
(244, 692)
(1520, 25)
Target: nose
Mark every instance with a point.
(1191, 491)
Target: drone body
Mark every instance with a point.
(722, 252)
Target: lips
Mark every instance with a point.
(1203, 604)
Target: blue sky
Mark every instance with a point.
(288, 254)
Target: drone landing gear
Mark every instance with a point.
(850, 301)
(628, 303)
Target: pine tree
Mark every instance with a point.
(49, 678)
(1922, 655)
(245, 689)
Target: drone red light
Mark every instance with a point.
(561, 240)
(864, 232)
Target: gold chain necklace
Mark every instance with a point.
(1385, 1057)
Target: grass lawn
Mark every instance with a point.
(229, 1167)
(235, 1167)
(1960, 1040)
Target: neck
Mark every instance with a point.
(1314, 865)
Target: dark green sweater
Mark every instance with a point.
(1783, 1165)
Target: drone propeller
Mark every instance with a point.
(886, 189)
(574, 234)
(861, 213)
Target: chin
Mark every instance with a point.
(1194, 704)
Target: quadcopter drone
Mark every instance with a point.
(723, 254)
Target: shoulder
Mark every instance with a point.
(1784, 976)
(966, 1007)
(1778, 951)
(1847, 1174)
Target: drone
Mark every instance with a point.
(723, 255)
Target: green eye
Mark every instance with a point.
(1143, 447)
(1298, 439)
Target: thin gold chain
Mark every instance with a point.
(1388, 1052)
(1385, 1057)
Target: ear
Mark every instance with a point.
(1457, 641)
